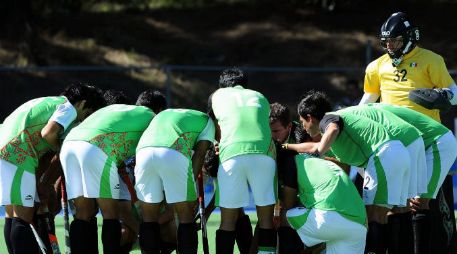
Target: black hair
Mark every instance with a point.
(232, 77)
(300, 134)
(116, 97)
(81, 91)
(281, 113)
(314, 103)
(152, 99)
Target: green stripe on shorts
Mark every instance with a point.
(216, 192)
(16, 197)
(433, 184)
(297, 222)
(381, 191)
(105, 183)
(191, 193)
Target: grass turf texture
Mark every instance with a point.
(212, 225)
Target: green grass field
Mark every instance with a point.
(212, 225)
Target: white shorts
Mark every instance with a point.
(418, 175)
(17, 186)
(88, 171)
(160, 169)
(316, 226)
(386, 179)
(235, 174)
(440, 156)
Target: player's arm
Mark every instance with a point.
(306, 147)
(371, 84)
(211, 115)
(332, 131)
(64, 115)
(369, 98)
(199, 155)
(204, 140)
(330, 125)
(437, 98)
(51, 133)
(444, 93)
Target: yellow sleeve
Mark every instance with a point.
(371, 82)
(439, 75)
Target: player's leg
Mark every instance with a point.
(129, 223)
(243, 233)
(384, 188)
(233, 194)
(289, 241)
(7, 227)
(432, 224)
(187, 229)
(102, 182)
(177, 176)
(261, 175)
(149, 189)
(18, 192)
(340, 234)
(81, 229)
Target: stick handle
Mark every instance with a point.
(201, 201)
(65, 216)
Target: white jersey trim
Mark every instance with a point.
(64, 115)
(208, 132)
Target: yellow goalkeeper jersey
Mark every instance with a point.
(420, 68)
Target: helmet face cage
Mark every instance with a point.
(397, 26)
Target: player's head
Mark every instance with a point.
(232, 77)
(398, 37)
(85, 98)
(311, 109)
(116, 97)
(301, 135)
(280, 122)
(152, 99)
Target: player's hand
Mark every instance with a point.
(277, 216)
(429, 98)
(285, 146)
(216, 148)
(417, 204)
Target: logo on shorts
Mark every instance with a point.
(28, 197)
(117, 187)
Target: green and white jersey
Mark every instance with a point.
(243, 117)
(178, 129)
(400, 130)
(429, 128)
(358, 139)
(325, 186)
(116, 129)
(20, 136)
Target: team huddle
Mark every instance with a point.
(138, 163)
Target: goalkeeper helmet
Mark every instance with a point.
(398, 37)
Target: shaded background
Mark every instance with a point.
(336, 38)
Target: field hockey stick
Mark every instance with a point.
(38, 239)
(201, 202)
(52, 237)
(65, 215)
